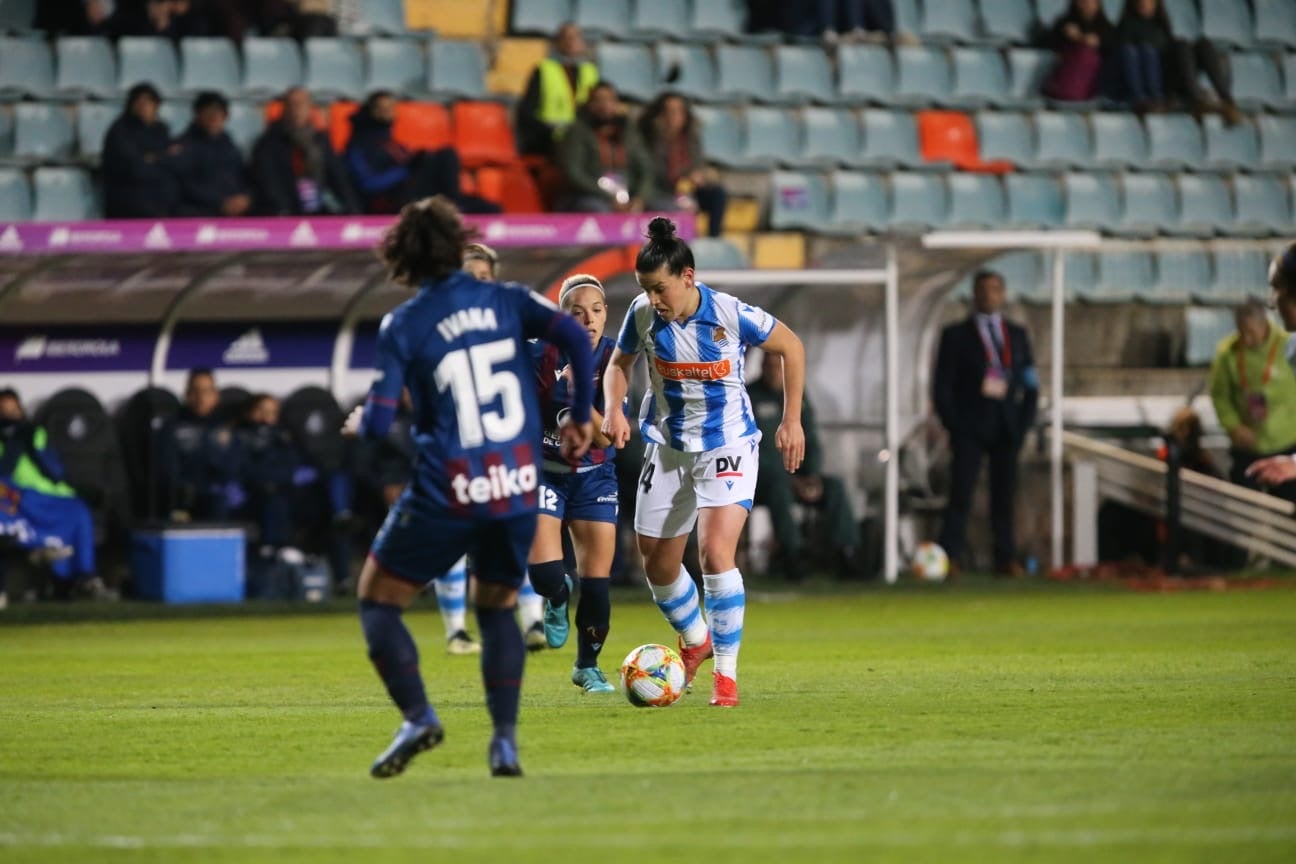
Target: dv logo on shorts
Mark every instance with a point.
(729, 466)
(498, 484)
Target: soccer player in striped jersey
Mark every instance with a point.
(701, 457)
(459, 345)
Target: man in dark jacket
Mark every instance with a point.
(294, 169)
(137, 166)
(604, 160)
(209, 164)
(200, 454)
(985, 391)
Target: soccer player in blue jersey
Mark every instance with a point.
(701, 458)
(581, 494)
(459, 345)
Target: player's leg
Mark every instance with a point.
(595, 543)
(531, 614)
(545, 564)
(452, 600)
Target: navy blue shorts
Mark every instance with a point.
(418, 543)
(588, 497)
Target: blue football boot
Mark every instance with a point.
(411, 739)
(556, 625)
(504, 758)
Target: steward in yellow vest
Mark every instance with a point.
(560, 85)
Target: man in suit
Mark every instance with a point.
(985, 392)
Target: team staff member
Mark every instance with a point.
(1276, 470)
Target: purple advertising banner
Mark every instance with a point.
(334, 232)
(117, 348)
(252, 346)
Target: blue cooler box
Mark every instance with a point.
(189, 565)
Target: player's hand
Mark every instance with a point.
(351, 426)
(790, 439)
(1273, 471)
(617, 428)
(576, 438)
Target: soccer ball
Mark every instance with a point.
(930, 563)
(652, 676)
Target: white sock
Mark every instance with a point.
(726, 601)
(530, 605)
(679, 603)
(452, 598)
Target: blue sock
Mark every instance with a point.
(550, 581)
(502, 658)
(395, 657)
(593, 618)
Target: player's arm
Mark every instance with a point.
(375, 416)
(790, 437)
(543, 320)
(616, 384)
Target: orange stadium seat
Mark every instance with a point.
(949, 136)
(483, 134)
(422, 126)
(274, 110)
(339, 124)
(511, 187)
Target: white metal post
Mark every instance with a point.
(1055, 406)
(891, 313)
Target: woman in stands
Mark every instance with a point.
(701, 463)
(680, 176)
(1080, 36)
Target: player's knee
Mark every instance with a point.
(717, 555)
(488, 595)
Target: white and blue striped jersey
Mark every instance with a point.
(697, 400)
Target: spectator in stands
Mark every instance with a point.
(985, 390)
(604, 161)
(388, 176)
(559, 86)
(809, 486)
(1253, 389)
(294, 169)
(267, 463)
(137, 165)
(1081, 37)
(681, 178)
(854, 20)
(75, 17)
(209, 165)
(1157, 64)
(200, 454)
(1282, 282)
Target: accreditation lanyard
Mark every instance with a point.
(1268, 369)
(1005, 361)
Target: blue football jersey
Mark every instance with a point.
(556, 397)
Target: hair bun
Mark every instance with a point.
(661, 230)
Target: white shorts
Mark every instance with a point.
(674, 485)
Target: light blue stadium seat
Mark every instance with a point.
(1289, 76)
(1263, 205)
(1149, 204)
(923, 76)
(860, 203)
(976, 201)
(42, 132)
(1118, 139)
(1005, 136)
(1184, 18)
(147, 58)
(456, 69)
(6, 133)
(15, 196)
(270, 65)
(659, 19)
(630, 66)
(865, 74)
(907, 17)
(696, 76)
(1079, 275)
(716, 253)
(980, 78)
(1180, 276)
(919, 202)
(1239, 274)
(771, 136)
(394, 64)
(1236, 147)
(1034, 200)
(1047, 11)
(722, 138)
(176, 115)
(17, 15)
(209, 64)
(85, 65)
(803, 73)
(334, 68)
(92, 122)
(1092, 201)
(540, 16)
(1027, 70)
(1227, 21)
(1120, 276)
(1257, 82)
(1008, 20)
(831, 137)
(717, 19)
(63, 195)
(1203, 331)
(384, 17)
(246, 122)
(603, 17)
(1276, 137)
(1024, 275)
(799, 201)
(26, 67)
(1062, 140)
(1205, 205)
(1275, 22)
(745, 72)
(949, 21)
(890, 139)
(1174, 141)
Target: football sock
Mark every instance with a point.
(502, 658)
(549, 579)
(452, 599)
(679, 603)
(530, 605)
(726, 601)
(395, 657)
(593, 618)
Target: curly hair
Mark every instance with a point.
(426, 244)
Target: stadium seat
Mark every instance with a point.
(1092, 201)
(1276, 137)
(270, 65)
(1203, 330)
(1061, 140)
(383, 17)
(396, 65)
(1289, 76)
(746, 72)
(799, 201)
(92, 122)
(176, 114)
(1239, 274)
(907, 17)
(771, 137)
(630, 67)
(209, 64)
(456, 69)
(1180, 276)
(1263, 205)
(1205, 206)
(980, 78)
(17, 15)
(717, 19)
(1046, 11)
(1227, 21)
(6, 133)
(715, 253)
(540, 16)
(658, 19)
(693, 68)
(334, 68)
(1024, 276)
(1184, 18)
(86, 66)
(1275, 23)
(722, 137)
(975, 201)
(15, 196)
(919, 202)
(830, 137)
(1257, 82)
(890, 139)
(1119, 276)
(147, 58)
(26, 67)
(483, 134)
(245, 124)
(860, 203)
(1028, 68)
(602, 17)
(1034, 200)
(512, 187)
(1079, 275)
(1008, 20)
(1174, 141)
(42, 132)
(865, 74)
(803, 73)
(1118, 140)
(948, 21)
(422, 126)
(946, 138)
(1235, 147)
(83, 435)
(923, 76)
(63, 195)
(1149, 204)
(1005, 136)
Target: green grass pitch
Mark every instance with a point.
(968, 723)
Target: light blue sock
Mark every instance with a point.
(726, 603)
(452, 598)
(530, 605)
(679, 603)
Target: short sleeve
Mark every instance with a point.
(628, 339)
(754, 324)
(536, 313)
